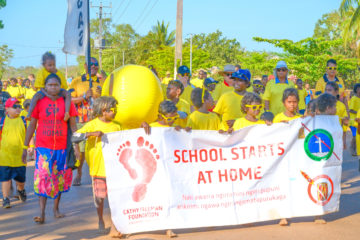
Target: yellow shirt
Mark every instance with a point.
(203, 121)
(42, 75)
(197, 82)
(163, 89)
(157, 124)
(29, 93)
(321, 84)
(14, 91)
(24, 114)
(281, 117)
(221, 89)
(243, 122)
(80, 85)
(12, 142)
(229, 107)
(355, 106)
(166, 80)
(358, 137)
(274, 93)
(182, 106)
(186, 95)
(93, 149)
(302, 95)
(341, 113)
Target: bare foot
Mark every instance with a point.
(66, 117)
(116, 234)
(77, 181)
(101, 228)
(170, 234)
(57, 214)
(283, 222)
(319, 220)
(39, 220)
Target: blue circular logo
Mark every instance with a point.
(319, 145)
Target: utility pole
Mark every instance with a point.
(123, 57)
(191, 37)
(101, 44)
(178, 37)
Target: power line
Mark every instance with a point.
(117, 9)
(147, 14)
(141, 14)
(123, 12)
(25, 46)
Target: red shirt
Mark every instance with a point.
(51, 131)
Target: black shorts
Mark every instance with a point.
(16, 173)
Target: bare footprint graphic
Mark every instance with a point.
(146, 156)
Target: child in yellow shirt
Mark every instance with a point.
(174, 89)
(302, 94)
(228, 105)
(258, 87)
(201, 118)
(49, 67)
(104, 112)
(290, 100)
(333, 89)
(354, 107)
(251, 105)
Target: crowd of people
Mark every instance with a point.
(59, 114)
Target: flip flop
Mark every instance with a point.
(39, 220)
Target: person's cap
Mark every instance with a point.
(11, 102)
(243, 74)
(228, 69)
(183, 69)
(209, 81)
(281, 64)
(168, 72)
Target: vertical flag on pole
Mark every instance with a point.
(76, 28)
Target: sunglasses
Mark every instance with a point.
(96, 64)
(170, 119)
(281, 69)
(184, 74)
(255, 107)
(17, 106)
(228, 74)
(332, 68)
(258, 85)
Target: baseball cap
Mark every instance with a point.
(11, 102)
(209, 81)
(281, 64)
(183, 69)
(243, 74)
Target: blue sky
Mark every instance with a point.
(33, 27)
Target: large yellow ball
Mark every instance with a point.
(138, 92)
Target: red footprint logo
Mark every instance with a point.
(146, 157)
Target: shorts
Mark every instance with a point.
(81, 144)
(302, 111)
(353, 130)
(16, 173)
(99, 187)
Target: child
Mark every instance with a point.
(24, 113)
(14, 89)
(13, 129)
(104, 113)
(290, 100)
(49, 66)
(251, 105)
(267, 117)
(333, 89)
(228, 105)
(184, 77)
(28, 89)
(354, 106)
(302, 95)
(311, 108)
(201, 118)
(258, 87)
(174, 89)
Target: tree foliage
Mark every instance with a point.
(5, 55)
(2, 4)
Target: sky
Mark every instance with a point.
(34, 27)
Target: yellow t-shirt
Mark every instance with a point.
(42, 75)
(302, 95)
(243, 122)
(341, 113)
(358, 137)
(80, 85)
(321, 84)
(229, 107)
(157, 124)
(274, 93)
(12, 142)
(29, 93)
(93, 148)
(24, 114)
(203, 121)
(14, 91)
(221, 89)
(166, 80)
(197, 82)
(281, 117)
(355, 106)
(186, 95)
(163, 89)
(182, 106)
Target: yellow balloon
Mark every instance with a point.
(138, 92)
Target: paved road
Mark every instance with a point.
(81, 221)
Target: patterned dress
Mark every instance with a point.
(51, 176)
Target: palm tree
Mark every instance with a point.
(160, 35)
(350, 10)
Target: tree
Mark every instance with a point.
(5, 56)
(161, 35)
(2, 4)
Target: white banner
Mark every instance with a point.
(170, 180)
(75, 36)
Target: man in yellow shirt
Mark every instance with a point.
(174, 90)
(167, 79)
(199, 81)
(226, 85)
(81, 95)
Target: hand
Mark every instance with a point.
(89, 94)
(23, 157)
(230, 123)
(188, 129)
(98, 90)
(146, 127)
(230, 130)
(346, 121)
(178, 128)
(95, 134)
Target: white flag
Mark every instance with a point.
(76, 28)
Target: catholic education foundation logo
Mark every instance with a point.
(319, 145)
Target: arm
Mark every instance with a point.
(29, 134)
(267, 105)
(85, 97)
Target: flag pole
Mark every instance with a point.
(88, 52)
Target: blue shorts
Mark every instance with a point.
(16, 173)
(353, 130)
